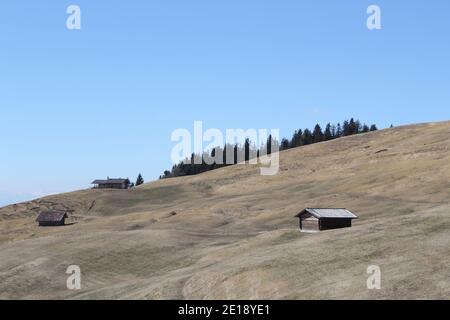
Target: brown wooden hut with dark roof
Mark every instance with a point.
(52, 218)
(319, 219)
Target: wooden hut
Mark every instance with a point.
(319, 219)
(52, 218)
(111, 184)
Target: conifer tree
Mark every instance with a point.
(358, 127)
(284, 144)
(269, 144)
(338, 131)
(307, 137)
(352, 127)
(365, 128)
(317, 134)
(346, 128)
(139, 180)
(328, 134)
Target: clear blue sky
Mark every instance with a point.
(104, 100)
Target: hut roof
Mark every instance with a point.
(51, 216)
(329, 213)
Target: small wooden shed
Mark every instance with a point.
(319, 219)
(52, 218)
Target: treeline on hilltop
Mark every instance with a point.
(248, 151)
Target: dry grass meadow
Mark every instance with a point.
(231, 233)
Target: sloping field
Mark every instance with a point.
(231, 233)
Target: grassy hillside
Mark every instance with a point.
(231, 233)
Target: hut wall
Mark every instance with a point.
(309, 222)
(111, 186)
(330, 223)
(51, 223)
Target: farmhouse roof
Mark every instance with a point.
(109, 181)
(329, 213)
(51, 216)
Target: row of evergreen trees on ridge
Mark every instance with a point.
(249, 150)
